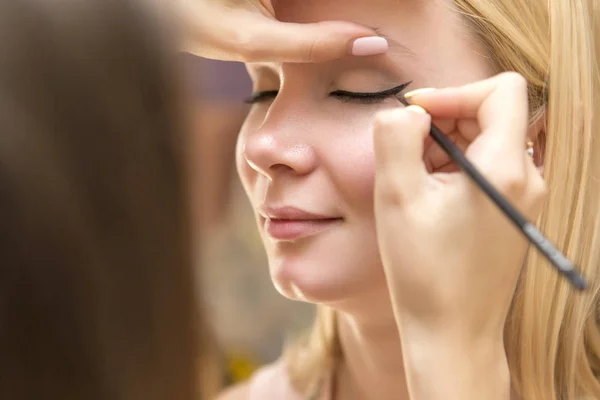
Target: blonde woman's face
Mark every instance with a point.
(305, 153)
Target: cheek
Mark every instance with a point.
(353, 163)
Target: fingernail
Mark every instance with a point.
(369, 46)
(417, 109)
(412, 93)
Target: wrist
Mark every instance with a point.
(448, 365)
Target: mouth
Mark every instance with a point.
(288, 223)
(294, 229)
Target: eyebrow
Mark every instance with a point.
(394, 44)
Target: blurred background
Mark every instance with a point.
(251, 320)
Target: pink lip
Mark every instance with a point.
(290, 223)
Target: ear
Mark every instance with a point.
(536, 133)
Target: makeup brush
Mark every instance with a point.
(531, 232)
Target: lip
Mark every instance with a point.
(290, 223)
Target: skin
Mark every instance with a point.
(211, 29)
(315, 152)
(421, 299)
(452, 276)
(309, 150)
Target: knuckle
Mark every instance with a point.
(514, 80)
(242, 43)
(387, 119)
(315, 53)
(248, 47)
(388, 192)
(252, 53)
(539, 189)
(384, 119)
(511, 182)
(538, 193)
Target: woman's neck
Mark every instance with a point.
(372, 366)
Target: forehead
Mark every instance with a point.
(373, 13)
(429, 38)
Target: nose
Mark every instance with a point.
(279, 148)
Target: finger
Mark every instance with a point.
(466, 128)
(499, 104)
(271, 40)
(398, 140)
(461, 133)
(241, 33)
(436, 157)
(447, 168)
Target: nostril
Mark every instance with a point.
(280, 167)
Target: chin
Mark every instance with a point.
(295, 283)
(329, 267)
(322, 283)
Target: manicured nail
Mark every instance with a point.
(418, 91)
(417, 109)
(369, 46)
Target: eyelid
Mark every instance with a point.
(343, 95)
(368, 95)
(257, 97)
(369, 98)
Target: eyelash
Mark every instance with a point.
(342, 95)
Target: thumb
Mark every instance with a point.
(272, 40)
(243, 33)
(399, 137)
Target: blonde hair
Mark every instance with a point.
(552, 335)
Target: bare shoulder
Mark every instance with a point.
(241, 391)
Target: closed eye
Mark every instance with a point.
(258, 97)
(343, 95)
(366, 97)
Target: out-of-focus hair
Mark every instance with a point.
(96, 282)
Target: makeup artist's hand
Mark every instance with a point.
(451, 258)
(246, 30)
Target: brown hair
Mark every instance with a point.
(96, 283)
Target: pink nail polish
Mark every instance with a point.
(369, 46)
